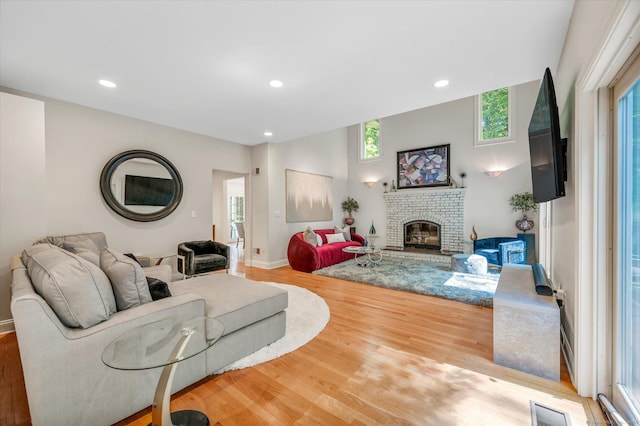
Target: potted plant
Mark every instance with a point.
(349, 205)
(523, 203)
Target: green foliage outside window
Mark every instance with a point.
(238, 213)
(495, 114)
(371, 139)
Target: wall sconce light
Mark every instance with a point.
(369, 183)
(493, 173)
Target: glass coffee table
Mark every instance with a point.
(365, 256)
(164, 343)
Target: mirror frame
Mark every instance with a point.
(110, 199)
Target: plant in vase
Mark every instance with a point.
(349, 205)
(523, 203)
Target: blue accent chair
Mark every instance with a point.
(501, 250)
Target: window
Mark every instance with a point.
(370, 140)
(494, 122)
(236, 214)
(627, 276)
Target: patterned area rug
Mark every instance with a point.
(432, 279)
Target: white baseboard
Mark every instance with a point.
(266, 265)
(6, 326)
(567, 351)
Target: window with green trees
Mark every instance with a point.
(370, 146)
(495, 116)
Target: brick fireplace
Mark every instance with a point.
(440, 208)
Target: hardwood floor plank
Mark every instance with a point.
(386, 357)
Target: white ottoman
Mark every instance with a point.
(469, 263)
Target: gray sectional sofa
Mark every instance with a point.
(66, 380)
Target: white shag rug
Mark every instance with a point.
(307, 315)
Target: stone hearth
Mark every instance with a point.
(442, 206)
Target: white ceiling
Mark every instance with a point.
(204, 66)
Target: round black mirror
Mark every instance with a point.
(141, 185)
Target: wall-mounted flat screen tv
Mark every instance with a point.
(147, 191)
(547, 149)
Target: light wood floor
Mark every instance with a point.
(386, 357)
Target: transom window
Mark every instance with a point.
(494, 121)
(370, 140)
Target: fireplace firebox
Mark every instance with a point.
(422, 234)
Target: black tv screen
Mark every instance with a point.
(546, 148)
(147, 191)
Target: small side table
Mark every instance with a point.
(164, 343)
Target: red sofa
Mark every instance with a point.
(307, 258)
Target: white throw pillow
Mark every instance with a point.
(346, 231)
(127, 279)
(320, 242)
(77, 290)
(309, 236)
(335, 238)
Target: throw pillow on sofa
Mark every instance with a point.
(335, 238)
(309, 236)
(127, 279)
(158, 289)
(85, 248)
(77, 290)
(346, 231)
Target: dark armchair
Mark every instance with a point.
(198, 257)
(501, 250)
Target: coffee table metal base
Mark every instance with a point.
(365, 256)
(188, 418)
(368, 259)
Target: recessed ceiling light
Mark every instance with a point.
(107, 83)
(441, 83)
(268, 134)
(275, 83)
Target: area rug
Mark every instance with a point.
(307, 315)
(422, 277)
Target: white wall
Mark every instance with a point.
(22, 185)
(323, 154)
(220, 207)
(486, 206)
(598, 41)
(584, 36)
(80, 141)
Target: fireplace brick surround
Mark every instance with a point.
(442, 206)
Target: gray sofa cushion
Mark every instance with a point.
(86, 248)
(234, 301)
(77, 290)
(127, 279)
(98, 240)
(209, 262)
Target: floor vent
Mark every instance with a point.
(541, 415)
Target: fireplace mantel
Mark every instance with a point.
(444, 206)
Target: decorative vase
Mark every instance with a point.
(525, 224)
(393, 185)
(349, 220)
(473, 235)
(372, 230)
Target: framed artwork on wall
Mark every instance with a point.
(309, 197)
(424, 167)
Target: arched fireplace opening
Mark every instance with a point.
(422, 234)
